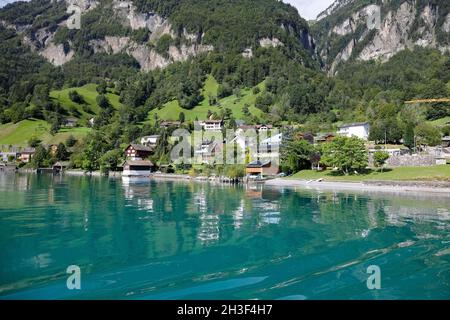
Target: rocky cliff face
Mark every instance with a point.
(379, 32)
(130, 27)
(147, 57)
(155, 24)
(42, 39)
(157, 27)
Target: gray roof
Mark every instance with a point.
(354, 124)
(170, 123)
(213, 121)
(62, 164)
(28, 150)
(254, 126)
(324, 135)
(258, 164)
(143, 163)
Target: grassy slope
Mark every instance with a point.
(441, 122)
(89, 94)
(19, 133)
(404, 173)
(171, 110)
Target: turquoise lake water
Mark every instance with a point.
(175, 240)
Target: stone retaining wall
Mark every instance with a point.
(422, 160)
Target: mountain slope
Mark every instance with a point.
(348, 30)
(157, 56)
(176, 45)
(156, 33)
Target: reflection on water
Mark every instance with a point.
(144, 239)
(137, 193)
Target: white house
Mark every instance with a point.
(150, 141)
(5, 155)
(271, 145)
(357, 129)
(267, 149)
(211, 125)
(207, 151)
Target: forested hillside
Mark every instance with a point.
(156, 55)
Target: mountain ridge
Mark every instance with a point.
(139, 30)
(343, 33)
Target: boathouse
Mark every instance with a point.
(259, 168)
(137, 168)
(60, 166)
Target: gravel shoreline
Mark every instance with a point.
(436, 187)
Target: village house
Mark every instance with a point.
(71, 122)
(357, 129)
(4, 156)
(324, 137)
(26, 154)
(53, 149)
(257, 127)
(150, 141)
(138, 152)
(247, 53)
(137, 168)
(270, 148)
(307, 136)
(207, 151)
(261, 169)
(247, 141)
(210, 125)
(169, 124)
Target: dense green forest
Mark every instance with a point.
(233, 25)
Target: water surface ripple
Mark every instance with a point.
(176, 240)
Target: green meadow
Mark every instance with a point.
(172, 109)
(89, 94)
(20, 133)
